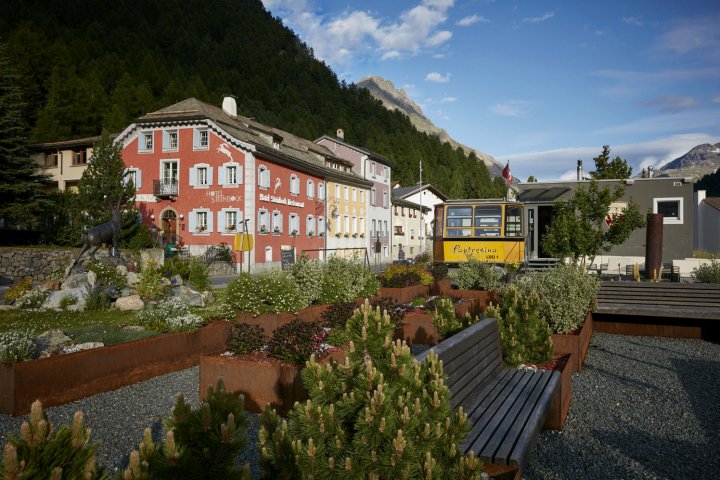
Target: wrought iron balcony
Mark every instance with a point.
(165, 188)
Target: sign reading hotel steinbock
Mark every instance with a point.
(281, 200)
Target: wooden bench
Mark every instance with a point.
(669, 272)
(507, 406)
(676, 300)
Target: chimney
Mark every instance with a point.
(579, 170)
(650, 171)
(340, 134)
(229, 105)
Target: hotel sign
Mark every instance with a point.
(264, 197)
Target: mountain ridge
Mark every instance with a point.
(699, 161)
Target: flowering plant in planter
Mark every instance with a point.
(401, 275)
(337, 234)
(321, 234)
(201, 228)
(294, 233)
(355, 235)
(311, 233)
(362, 235)
(263, 229)
(347, 235)
(276, 230)
(230, 228)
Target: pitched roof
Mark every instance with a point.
(713, 202)
(65, 144)
(404, 192)
(400, 202)
(373, 155)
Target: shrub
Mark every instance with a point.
(192, 271)
(444, 319)
(246, 339)
(525, 336)
(708, 272)
(18, 290)
(423, 257)
(273, 291)
(439, 271)
(294, 342)
(171, 315)
(16, 346)
(347, 279)
(394, 310)
(32, 299)
(200, 443)
(98, 298)
(338, 314)
(337, 337)
(43, 452)
(309, 276)
(108, 275)
(417, 302)
(67, 301)
(475, 275)
(151, 284)
(402, 275)
(381, 414)
(566, 294)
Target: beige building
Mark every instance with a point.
(64, 161)
(407, 228)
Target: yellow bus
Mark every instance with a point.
(487, 230)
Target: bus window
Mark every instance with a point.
(488, 219)
(459, 222)
(513, 221)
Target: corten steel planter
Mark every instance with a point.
(313, 313)
(405, 294)
(61, 379)
(268, 321)
(417, 327)
(439, 287)
(561, 401)
(576, 343)
(261, 379)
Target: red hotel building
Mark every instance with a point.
(201, 171)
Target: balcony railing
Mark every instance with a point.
(165, 188)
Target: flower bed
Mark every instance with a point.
(566, 365)
(271, 321)
(61, 379)
(576, 343)
(404, 294)
(417, 327)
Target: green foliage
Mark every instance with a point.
(98, 299)
(578, 228)
(32, 299)
(22, 182)
(108, 275)
(107, 334)
(309, 276)
(18, 290)
(439, 271)
(606, 169)
(294, 342)
(246, 338)
(403, 275)
(192, 271)
(566, 294)
(337, 315)
(445, 321)
(273, 291)
(708, 272)
(381, 414)
(338, 337)
(171, 315)
(710, 183)
(15, 346)
(525, 336)
(417, 302)
(40, 452)
(396, 311)
(201, 443)
(151, 284)
(38, 321)
(345, 280)
(476, 275)
(67, 301)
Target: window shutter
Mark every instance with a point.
(193, 176)
(221, 175)
(196, 138)
(193, 221)
(221, 221)
(240, 178)
(210, 222)
(210, 175)
(166, 140)
(138, 179)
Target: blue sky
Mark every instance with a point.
(541, 83)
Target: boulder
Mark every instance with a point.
(52, 285)
(133, 302)
(132, 278)
(82, 346)
(91, 278)
(81, 293)
(122, 269)
(75, 280)
(208, 296)
(51, 342)
(176, 280)
(189, 296)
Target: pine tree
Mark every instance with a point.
(380, 415)
(21, 180)
(607, 169)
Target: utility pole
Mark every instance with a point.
(421, 231)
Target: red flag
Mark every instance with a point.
(506, 173)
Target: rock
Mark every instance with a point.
(176, 280)
(50, 342)
(74, 281)
(82, 346)
(189, 296)
(166, 281)
(55, 298)
(133, 302)
(132, 278)
(52, 285)
(122, 269)
(208, 296)
(91, 278)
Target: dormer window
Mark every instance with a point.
(276, 142)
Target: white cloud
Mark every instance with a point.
(543, 18)
(437, 77)
(697, 119)
(671, 103)
(471, 20)
(438, 38)
(693, 34)
(633, 21)
(390, 54)
(511, 108)
(448, 100)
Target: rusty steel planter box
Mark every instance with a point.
(313, 313)
(268, 321)
(417, 327)
(575, 343)
(261, 380)
(64, 378)
(561, 401)
(404, 295)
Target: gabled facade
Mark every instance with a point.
(376, 169)
(425, 195)
(408, 225)
(64, 161)
(204, 174)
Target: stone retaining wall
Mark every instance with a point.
(19, 263)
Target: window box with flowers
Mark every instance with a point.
(230, 228)
(347, 235)
(337, 234)
(263, 229)
(294, 233)
(311, 233)
(276, 231)
(201, 228)
(355, 235)
(321, 234)
(362, 235)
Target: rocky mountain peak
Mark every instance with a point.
(699, 161)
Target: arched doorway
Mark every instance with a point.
(168, 223)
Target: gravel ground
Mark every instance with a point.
(643, 408)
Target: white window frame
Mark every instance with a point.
(226, 174)
(337, 191)
(321, 227)
(263, 177)
(354, 195)
(167, 138)
(276, 220)
(294, 224)
(263, 212)
(670, 220)
(373, 168)
(310, 187)
(385, 199)
(310, 226)
(162, 169)
(223, 220)
(362, 196)
(198, 137)
(361, 226)
(142, 142)
(194, 176)
(373, 197)
(321, 191)
(347, 195)
(202, 180)
(294, 184)
(197, 214)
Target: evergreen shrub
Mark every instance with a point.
(192, 271)
(475, 275)
(294, 342)
(381, 414)
(708, 272)
(246, 339)
(273, 291)
(444, 319)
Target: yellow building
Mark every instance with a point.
(64, 161)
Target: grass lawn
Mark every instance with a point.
(38, 322)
